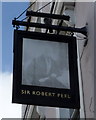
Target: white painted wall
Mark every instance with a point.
(85, 14)
(94, 60)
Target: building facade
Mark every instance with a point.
(82, 14)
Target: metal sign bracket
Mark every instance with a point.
(15, 23)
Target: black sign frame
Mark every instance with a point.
(45, 96)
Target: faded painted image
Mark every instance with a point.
(45, 64)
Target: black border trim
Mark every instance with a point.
(73, 102)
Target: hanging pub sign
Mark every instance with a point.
(45, 70)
